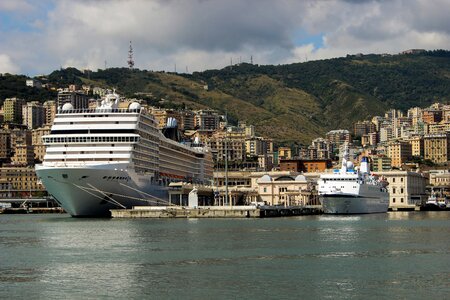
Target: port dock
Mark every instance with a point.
(215, 211)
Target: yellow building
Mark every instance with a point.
(436, 147)
(380, 163)
(21, 147)
(21, 181)
(258, 146)
(284, 153)
(286, 190)
(399, 152)
(272, 188)
(163, 114)
(437, 128)
(50, 111)
(12, 110)
(406, 189)
(36, 141)
(416, 146)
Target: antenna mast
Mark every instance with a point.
(130, 57)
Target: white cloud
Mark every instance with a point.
(7, 66)
(15, 5)
(204, 34)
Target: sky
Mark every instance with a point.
(39, 36)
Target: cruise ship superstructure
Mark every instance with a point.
(110, 157)
(350, 191)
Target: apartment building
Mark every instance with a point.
(399, 152)
(78, 99)
(20, 181)
(163, 114)
(284, 153)
(338, 137)
(5, 145)
(417, 145)
(207, 119)
(33, 115)
(305, 165)
(361, 128)
(36, 140)
(255, 146)
(436, 147)
(50, 112)
(380, 163)
(12, 110)
(431, 116)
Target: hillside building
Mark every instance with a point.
(207, 119)
(33, 115)
(37, 143)
(78, 99)
(33, 83)
(50, 112)
(399, 152)
(417, 146)
(284, 153)
(361, 128)
(338, 137)
(436, 147)
(20, 182)
(12, 110)
(431, 116)
(305, 166)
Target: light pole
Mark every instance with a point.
(226, 158)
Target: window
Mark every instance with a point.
(401, 200)
(393, 200)
(265, 190)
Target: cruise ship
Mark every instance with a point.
(351, 191)
(114, 156)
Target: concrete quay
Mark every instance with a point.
(214, 211)
(31, 210)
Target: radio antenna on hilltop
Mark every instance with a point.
(130, 57)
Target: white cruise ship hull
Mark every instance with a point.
(94, 190)
(355, 204)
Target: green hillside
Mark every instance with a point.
(14, 86)
(290, 103)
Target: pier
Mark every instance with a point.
(250, 211)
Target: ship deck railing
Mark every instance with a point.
(98, 110)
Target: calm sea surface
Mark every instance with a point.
(403, 255)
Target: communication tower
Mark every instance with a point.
(130, 57)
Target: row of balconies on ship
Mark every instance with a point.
(185, 167)
(117, 153)
(77, 119)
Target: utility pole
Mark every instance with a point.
(226, 158)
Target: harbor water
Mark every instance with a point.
(402, 255)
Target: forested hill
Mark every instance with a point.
(295, 102)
